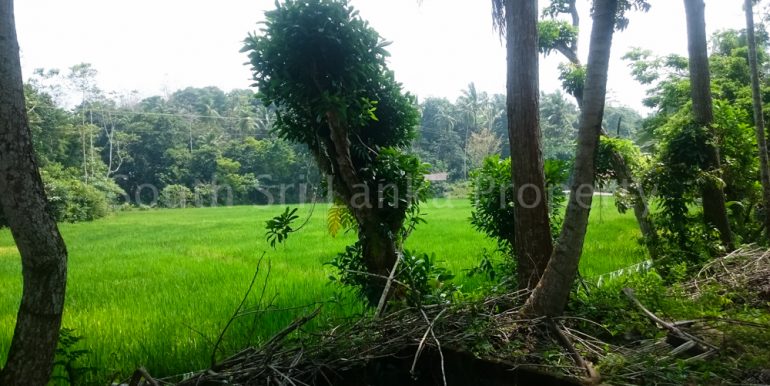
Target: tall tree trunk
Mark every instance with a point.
(376, 234)
(759, 119)
(552, 292)
(533, 243)
(625, 177)
(43, 254)
(714, 210)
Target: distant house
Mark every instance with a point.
(437, 176)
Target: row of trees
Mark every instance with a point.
(203, 139)
(457, 137)
(202, 146)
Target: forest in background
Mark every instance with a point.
(207, 147)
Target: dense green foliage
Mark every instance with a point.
(679, 169)
(215, 144)
(493, 197)
(222, 148)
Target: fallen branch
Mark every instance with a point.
(672, 328)
(139, 374)
(277, 338)
(593, 375)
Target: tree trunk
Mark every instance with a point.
(759, 119)
(714, 210)
(552, 292)
(42, 250)
(376, 235)
(533, 243)
(379, 253)
(625, 177)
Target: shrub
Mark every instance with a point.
(493, 196)
(72, 200)
(176, 196)
(419, 280)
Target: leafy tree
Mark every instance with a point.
(493, 198)
(558, 118)
(622, 122)
(440, 138)
(23, 201)
(481, 145)
(324, 69)
(176, 196)
(53, 133)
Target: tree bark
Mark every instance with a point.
(377, 236)
(380, 254)
(42, 250)
(714, 210)
(759, 118)
(552, 292)
(624, 174)
(533, 243)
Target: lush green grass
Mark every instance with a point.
(154, 288)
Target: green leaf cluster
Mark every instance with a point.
(279, 227)
(555, 33)
(318, 57)
(493, 198)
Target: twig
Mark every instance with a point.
(291, 328)
(383, 277)
(438, 344)
(139, 374)
(676, 331)
(386, 290)
(421, 346)
(235, 314)
(593, 376)
(284, 376)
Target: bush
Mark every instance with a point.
(176, 196)
(211, 194)
(71, 200)
(422, 280)
(493, 196)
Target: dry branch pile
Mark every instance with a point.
(491, 332)
(746, 269)
(491, 329)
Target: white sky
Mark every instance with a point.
(439, 46)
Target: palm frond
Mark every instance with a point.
(498, 15)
